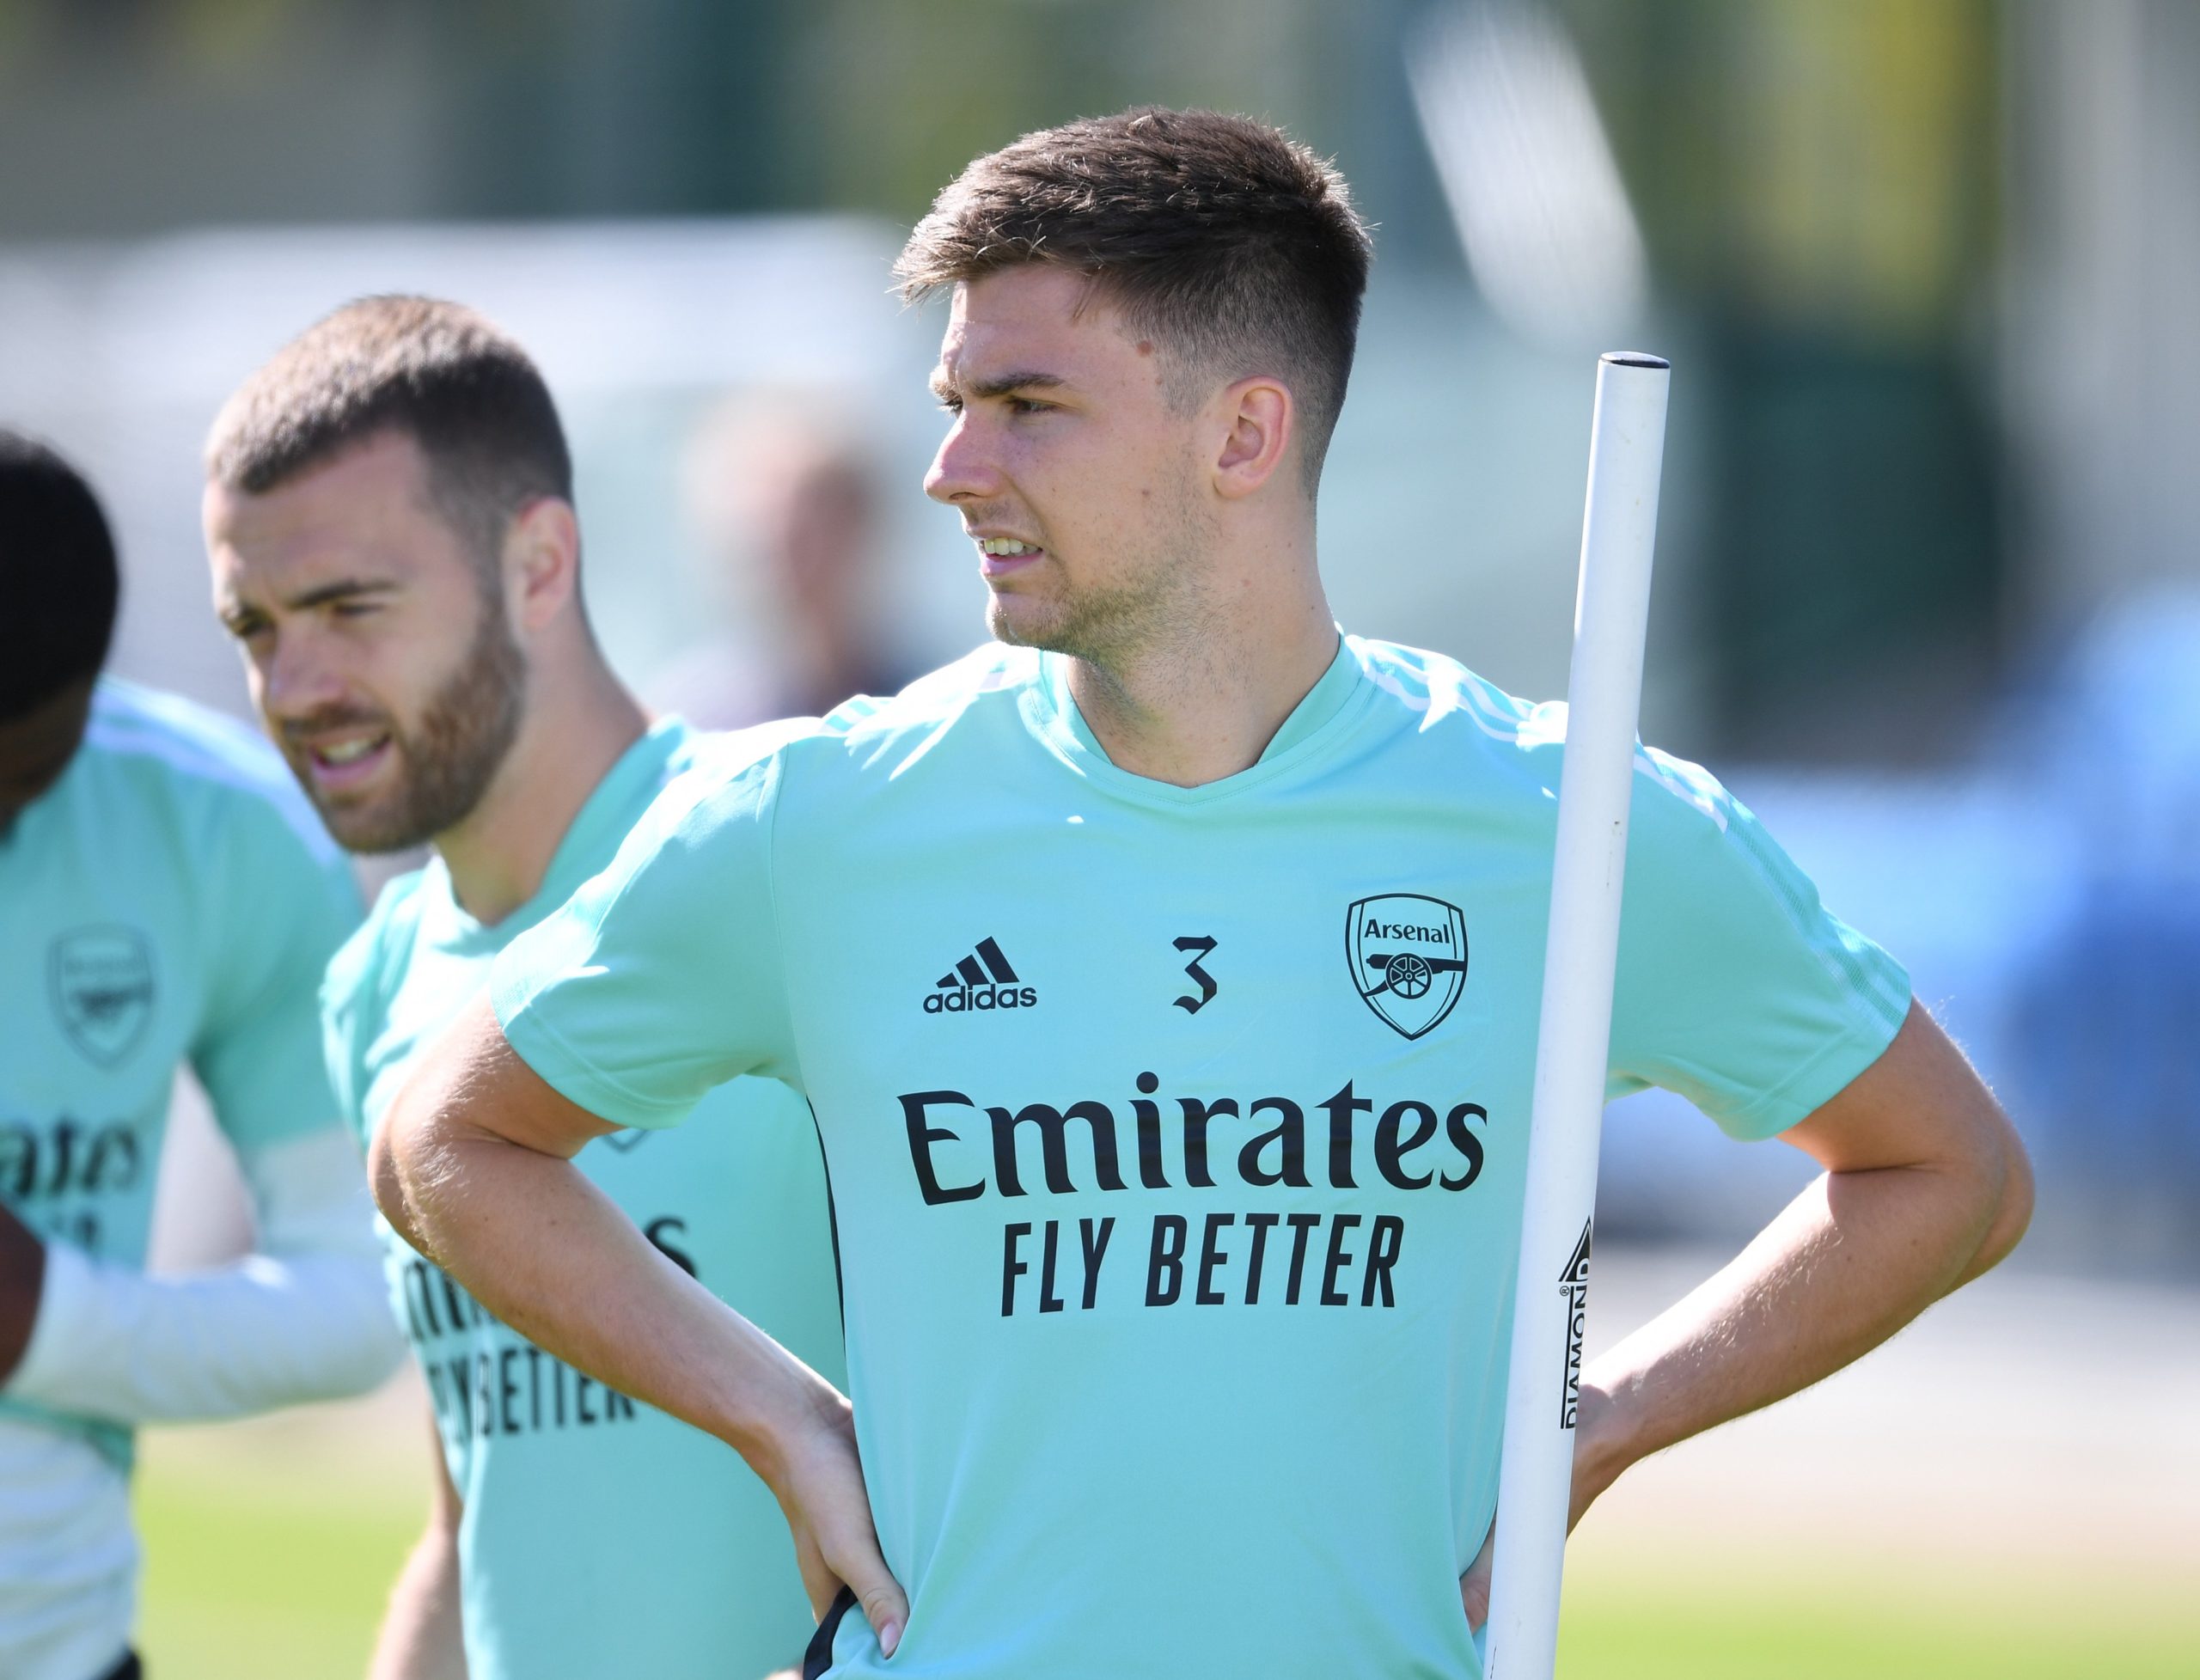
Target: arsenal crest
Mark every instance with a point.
(101, 983)
(1408, 958)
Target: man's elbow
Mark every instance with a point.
(2012, 1204)
(1988, 1195)
(389, 1159)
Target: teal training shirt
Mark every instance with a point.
(600, 1537)
(171, 899)
(1177, 1135)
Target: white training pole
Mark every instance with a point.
(1627, 444)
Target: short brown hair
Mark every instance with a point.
(457, 384)
(1230, 244)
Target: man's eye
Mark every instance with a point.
(353, 609)
(1026, 405)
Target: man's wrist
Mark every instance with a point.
(774, 1416)
(1607, 1439)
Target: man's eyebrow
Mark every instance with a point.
(232, 611)
(1023, 379)
(342, 589)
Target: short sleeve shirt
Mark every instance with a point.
(1177, 1135)
(172, 900)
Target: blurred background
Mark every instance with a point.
(1928, 596)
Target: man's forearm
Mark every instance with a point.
(1926, 1187)
(423, 1633)
(422, 1636)
(1848, 1263)
(556, 1258)
(473, 1164)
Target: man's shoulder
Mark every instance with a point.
(988, 678)
(176, 752)
(1438, 704)
(1442, 701)
(869, 735)
(369, 965)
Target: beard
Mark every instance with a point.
(445, 760)
(1151, 595)
(1098, 625)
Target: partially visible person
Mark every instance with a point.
(166, 900)
(389, 513)
(783, 497)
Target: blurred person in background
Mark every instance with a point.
(783, 495)
(1179, 1242)
(166, 899)
(389, 513)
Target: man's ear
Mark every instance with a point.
(541, 561)
(1262, 421)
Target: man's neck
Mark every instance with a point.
(574, 731)
(1204, 702)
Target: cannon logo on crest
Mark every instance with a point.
(101, 981)
(1408, 957)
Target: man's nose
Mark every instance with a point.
(296, 681)
(963, 469)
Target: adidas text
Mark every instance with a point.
(981, 998)
(982, 981)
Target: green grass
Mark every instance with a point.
(1842, 1618)
(267, 1562)
(278, 1573)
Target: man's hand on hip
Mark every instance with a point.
(473, 1165)
(1926, 1187)
(1599, 1456)
(818, 1479)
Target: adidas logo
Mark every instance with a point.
(982, 980)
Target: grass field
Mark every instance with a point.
(1842, 1618)
(273, 1575)
(1877, 1530)
(253, 1578)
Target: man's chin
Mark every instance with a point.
(1022, 623)
(369, 828)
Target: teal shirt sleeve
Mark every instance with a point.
(350, 1001)
(279, 910)
(1736, 986)
(661, 977)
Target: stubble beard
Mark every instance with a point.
(445, 761)
(1101, 625)
(1151, 598)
